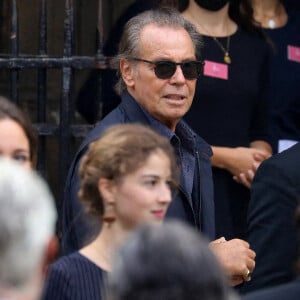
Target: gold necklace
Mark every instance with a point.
(227, 58)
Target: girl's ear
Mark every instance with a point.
(106, 188)
(127, 72)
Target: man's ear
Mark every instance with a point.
(127, 72)
(106, 188)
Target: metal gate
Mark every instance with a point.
(14, 63)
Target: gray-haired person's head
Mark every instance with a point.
(167, 262)
(130, 41)
(27, 222)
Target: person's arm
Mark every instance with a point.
(240, 160)
(247, 177)
(262, 145)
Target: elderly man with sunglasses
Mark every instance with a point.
(158, 63)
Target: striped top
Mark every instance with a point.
(74, 277)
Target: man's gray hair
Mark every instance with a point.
(130, 41)
(27, 222)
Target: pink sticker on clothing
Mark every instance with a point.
(294, 53)
(216, 70)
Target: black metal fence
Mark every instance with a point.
(14, 62)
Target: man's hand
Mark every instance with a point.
(236, 258)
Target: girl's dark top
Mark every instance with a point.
(284, 99)
(74, 277)
(232, 113)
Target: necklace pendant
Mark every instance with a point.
(227, 58)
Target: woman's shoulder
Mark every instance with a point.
(257, 44)
(293, 23)
(73, 277)
(74, 263)
(251, 37)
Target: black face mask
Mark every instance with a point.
(213, 5)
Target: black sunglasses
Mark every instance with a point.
(165, 69)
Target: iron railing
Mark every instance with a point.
(15, 62)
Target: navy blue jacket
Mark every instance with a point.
(272, 230)
(76, 228)
(287, 291)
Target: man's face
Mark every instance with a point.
(167, 100)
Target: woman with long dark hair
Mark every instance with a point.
(229, 109)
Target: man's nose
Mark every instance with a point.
(178, 76)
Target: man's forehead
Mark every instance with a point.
(153, 27)
(153, 33)
(155, 38)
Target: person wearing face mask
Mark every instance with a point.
(229, 107)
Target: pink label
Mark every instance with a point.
(216, 70)
(294, 53)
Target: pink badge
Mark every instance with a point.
(294, 53)
(216, 70)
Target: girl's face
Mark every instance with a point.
(144, 195)
(14, 143)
